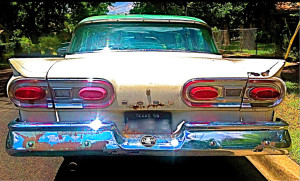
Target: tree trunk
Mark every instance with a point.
(226, 35)
(277, 24)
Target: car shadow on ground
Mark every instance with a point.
(149, 167)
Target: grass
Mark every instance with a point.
(292, 87)
(288, 110)
(263, 49)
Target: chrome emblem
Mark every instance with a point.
(148, 141)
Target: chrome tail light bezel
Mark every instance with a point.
(244, 85)
(75, 86)
(22, 82)
(221, 85)
(273, 82)
(73, 100)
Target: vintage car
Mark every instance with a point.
(146, 85)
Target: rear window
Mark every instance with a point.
(142, 36)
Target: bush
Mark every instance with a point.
(49, 44)
(26, 44)
(215, 29)
(263, 37)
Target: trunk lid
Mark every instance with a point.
(158, 67)
(163, 74)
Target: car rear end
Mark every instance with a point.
(147, 103)
(203, 116)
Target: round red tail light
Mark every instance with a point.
(204, 93)
(264, 93)
(30, 93)
(92, 93)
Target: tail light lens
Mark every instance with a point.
(264, 93)
(204, 93)
(92, 93)
(30, 93)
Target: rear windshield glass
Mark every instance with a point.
(142, 36)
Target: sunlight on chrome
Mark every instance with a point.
(174, 142)
(96, 124)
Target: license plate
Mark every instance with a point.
(148, 122)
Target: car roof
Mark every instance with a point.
(143, 17)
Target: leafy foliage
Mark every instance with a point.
(35, 19)
(49, 44)
(26, 44)
(38, 18)
(272, 25)
(35, 25)
(171, 8)
(217, 14)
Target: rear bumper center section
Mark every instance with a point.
(191, 138)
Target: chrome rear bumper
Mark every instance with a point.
(190, 139)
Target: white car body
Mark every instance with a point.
(145, 81)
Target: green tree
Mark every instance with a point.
(215, 14)
(28, 21)
(8, 15)
(231, 15)
(39, 18)
(172, 8)
(80, 10)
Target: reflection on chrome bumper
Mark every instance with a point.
(201, 138)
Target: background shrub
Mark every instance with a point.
(49, 44)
